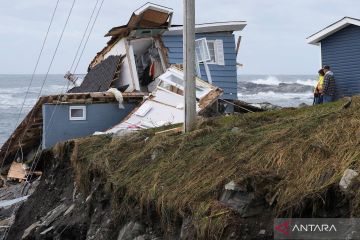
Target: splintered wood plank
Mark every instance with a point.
(173, 130)
(17, 172)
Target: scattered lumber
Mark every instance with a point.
(173, 130)
(17, 172)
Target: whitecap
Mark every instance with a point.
(271, 80)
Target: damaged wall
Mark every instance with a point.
(99, 117)
(128, 75)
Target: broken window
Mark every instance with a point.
(216, 51)
(202, 50)
(77, 113)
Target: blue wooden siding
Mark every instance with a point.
(341, 51)
(99, 117)
(225, 76)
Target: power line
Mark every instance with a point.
(88, 37)
(33, 76)
(83, 36)
(37, 156)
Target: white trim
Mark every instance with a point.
(83, 108)
(317, 37)
(211, 27)
(219, 52)
(155, 7)
(321, 65)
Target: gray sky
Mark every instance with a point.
(273, 42)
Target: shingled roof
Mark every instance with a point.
(101, 77)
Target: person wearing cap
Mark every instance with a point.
(328, 91)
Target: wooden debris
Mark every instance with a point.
(17, 172)
(173, 130)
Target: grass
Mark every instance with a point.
(295, 155)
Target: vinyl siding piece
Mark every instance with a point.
(223, 76)
(341, 51)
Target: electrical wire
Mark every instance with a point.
(32, 76)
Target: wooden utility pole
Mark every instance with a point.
(189, 65)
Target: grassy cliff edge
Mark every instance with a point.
(292, 158)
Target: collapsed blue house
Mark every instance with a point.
(340, 49)
(139, 69)
(221, 42)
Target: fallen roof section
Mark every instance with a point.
(148, 16)
(211, 27)
(101, 77)
(316, 38)
(29, 133)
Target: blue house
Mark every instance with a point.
(66, 121)
(340, 49)
(220, 39)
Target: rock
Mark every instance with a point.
(30, 229)
(140, 237)
(69, 210)
(302, 105)
(47, 230)
(247, 204)
(348, 103)
(187, 229)
(53, 215)
(266, 106)
(131, 231)
(262, 232)
(232, 186)
(154, 155)
(88, 198)
(235, 130)
(347, 178)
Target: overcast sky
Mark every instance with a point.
(274, 42)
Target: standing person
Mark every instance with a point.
(328, 92)
(318, 98)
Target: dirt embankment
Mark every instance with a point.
(226, 180)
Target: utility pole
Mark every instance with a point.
(189, 65)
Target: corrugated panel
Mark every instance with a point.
(225, 76)
(341, 51)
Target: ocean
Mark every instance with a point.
(281, 90)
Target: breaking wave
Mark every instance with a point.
(282, 90)
(269, 81)
(274, 81)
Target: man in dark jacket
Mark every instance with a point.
(329, 85)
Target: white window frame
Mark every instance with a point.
(213, 42)
(219, 57)
(201, 43)
(83, 108)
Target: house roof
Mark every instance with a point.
(101, 77)
(149, 15)
(316, 38)
(211, 27)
